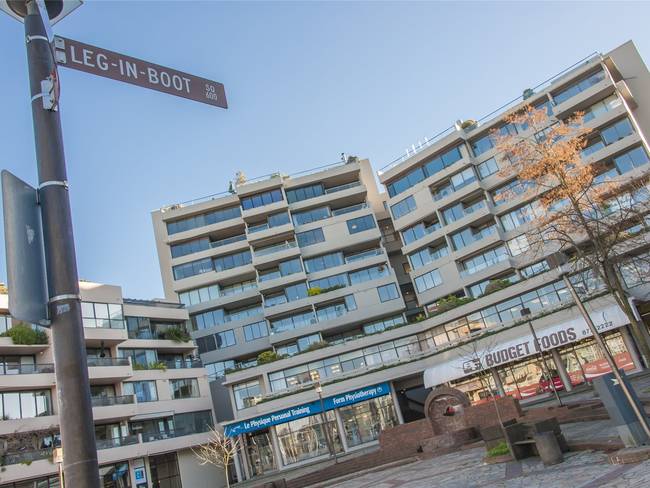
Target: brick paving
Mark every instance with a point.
(465, 469)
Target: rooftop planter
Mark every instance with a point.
(24, 335)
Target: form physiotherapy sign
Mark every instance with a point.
(515, 344)
(306, 410)
(109, 64)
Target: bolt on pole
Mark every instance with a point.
(80, 466)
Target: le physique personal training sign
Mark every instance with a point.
(109, 64)
(515, 344)
(313, 408)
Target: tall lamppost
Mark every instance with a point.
(323, 417)
(525, 312)
(559, 262)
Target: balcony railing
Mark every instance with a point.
(228, 240)
(278, 247)
(107, 401)
(108, 362)
(363, 255)
(351, 208)
(26, 457)
(484, 265)
(183, 364)
(335, 189)
(125, 440)
(9, 369)
(170, 434)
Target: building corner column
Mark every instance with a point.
(398, 410)
(630, 345)
(561, 369)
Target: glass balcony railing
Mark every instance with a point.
(171, 434)
(351, 208)
(107, 401)
(7, 368)
(26, 457)
(335, 189)
(108, 362)
(183, 364)
(258, 228)
(484, 265)
(265, 251)
(228, 240)
(363, 255)
(125, 440)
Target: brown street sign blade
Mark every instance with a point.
(102, 62)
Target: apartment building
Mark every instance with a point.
(150, 394)
(313, 298)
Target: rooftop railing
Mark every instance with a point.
(428, 142)
(9, 369)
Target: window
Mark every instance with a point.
(470, 235)
(255, 331)
(335, 310)
(509, 191)
(192, 268)
(164, 471)
(261, 199)
(428, 280)
(364, 421)
(518, 245)
(142, 358)
(368, 274)
(520, 216)
(418, 231)
(247, 394)
(360, 224)
(237, 288)
(309, 216)
(464, 178)
(324, 262)
(295, 321)
(184, 388)
(404, 207)
(103, 315)
(430, 168)
(25, 404)
(304, 193)
(310, 237)
(485, 260)
(460, 210)
(427, 255)
(230, 261)
(218, 369)
(383, 324)
(388, 292)
(485, 143)
(199, 295)
(579, 86)
(487, 168)
(144, 391)
(190, 247)
(617, 131)
(535, 269)
(302, 344)
(220, 340)
(285, 268)
(599, 108)
(631, 159)
(203, 220)
(292, 438)
(335, 281)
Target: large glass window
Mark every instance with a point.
(305, 438)
(25, 404)
(202, 220)
(579, 86)
(484, 260)
(190, 247)
(255, 331)
(599, 108)
(261, 199)
(520, 216)
(383, 324)
(164, 471)
(616, 131)
(199, 295)
(310, 237)
(360, 224)
(144, 391)
(418, 231)
(330, 282)
(368, 274)
(140, 358)
(218, 369)
(309, 216)
(427, 255)
(184, 388)
(631, 159)
(192, 268)
(230, 261)
(364, 421)
(487, 168)
(304, 193)
(295, 321)
(105, 315)
(388, 292)
(247, 394)
(403, 207)
(428, 280)
(323, 262)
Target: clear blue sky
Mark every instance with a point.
(305, 82)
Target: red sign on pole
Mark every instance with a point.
(109, 64)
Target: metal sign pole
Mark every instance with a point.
(80, 465)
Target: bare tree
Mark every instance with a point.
(219, 451)
(597, 213)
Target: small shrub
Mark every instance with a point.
(450, 302)
(177, 334)
(266, 357)
(418, 318)
(24, 335)
(496, 285)
(157, 365)
(501, 449)
(317, 345)
(316, 290)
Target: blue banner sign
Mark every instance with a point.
(306, 410)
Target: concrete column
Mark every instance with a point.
(398, 411)
(341, 429)
(497, 381)
(244, 457)
(237, 463)
(630, 345)
(276, 449)
(561, 369)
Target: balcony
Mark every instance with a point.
(127, 440)
(275, 253)
(108, 370)
(12, 369)
(484, 265)
(107, 401)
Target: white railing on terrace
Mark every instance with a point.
(422, 145)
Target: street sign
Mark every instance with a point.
(109, 64)
(24, 246)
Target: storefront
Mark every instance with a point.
(509, 363)
(296, 435)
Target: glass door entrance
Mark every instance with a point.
(260, 452)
